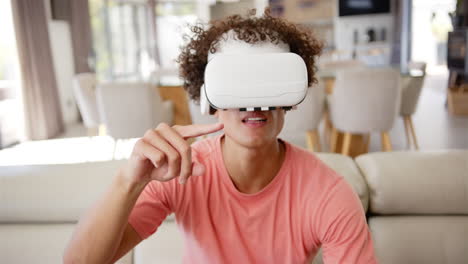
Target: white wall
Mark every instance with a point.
(345, 26)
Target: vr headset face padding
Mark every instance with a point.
(204, 104)
(254, 81)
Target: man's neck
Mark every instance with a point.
(252, 169)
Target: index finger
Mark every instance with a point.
(197, 130)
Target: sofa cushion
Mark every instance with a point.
(165, 246)
(416, 182)
(37, 243)
(346, 167)
(48, 193)
(420, 239)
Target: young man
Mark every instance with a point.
(242, 197)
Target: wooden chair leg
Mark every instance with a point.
(366, 142)
(333, 139)
(313, 141)
(99, 130)
(91, 131)
(327, 126)
(386, 143)
(346, 143)
(102, 130)
(317, 140)
(415, 141)
(310, 140)
(407, 121)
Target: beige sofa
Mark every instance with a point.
(417, 205)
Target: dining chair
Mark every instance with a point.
(411, 85)
(364, 101)
(327, 74)
(301, 125)
(130, 109)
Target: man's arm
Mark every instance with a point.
(103, 234)
(104, 231)
(130, 239)
(342, 228)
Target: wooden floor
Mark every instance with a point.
(435, 128)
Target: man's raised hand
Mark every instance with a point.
(163, 154)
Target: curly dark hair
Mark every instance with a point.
(251, 29)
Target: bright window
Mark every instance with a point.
(11, 110)
(124, 38)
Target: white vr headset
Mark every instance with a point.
(253, 78)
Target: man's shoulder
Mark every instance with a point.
(312, 168)
(300, 153)
(303, 158)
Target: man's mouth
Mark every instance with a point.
(254, 120)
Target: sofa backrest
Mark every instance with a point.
(418, 205)
(40, 205)
(52, 193)
(410, 183)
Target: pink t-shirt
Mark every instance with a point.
(305, 207)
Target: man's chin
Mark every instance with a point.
(253, 141)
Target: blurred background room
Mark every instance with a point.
(52, 90)
(82, 80)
